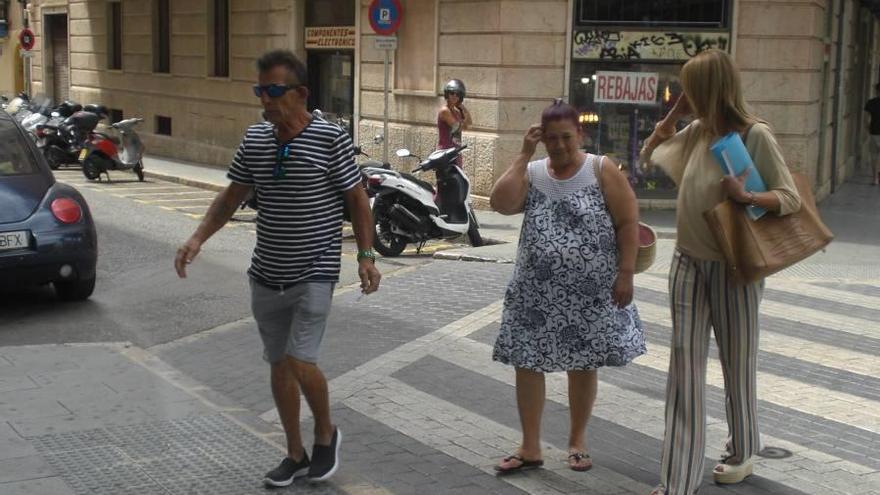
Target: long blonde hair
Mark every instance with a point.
(712, 84)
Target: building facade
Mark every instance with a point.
(12, 78)
(186, 66)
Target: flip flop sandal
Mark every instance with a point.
(578, 457)
(659, 491)
(522, 466)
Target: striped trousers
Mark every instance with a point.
(703, 297)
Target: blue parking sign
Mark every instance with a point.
(385, 16)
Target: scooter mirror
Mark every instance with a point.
(357, 150)
(56, 114)
(403, 153)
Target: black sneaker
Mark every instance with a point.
(287, 471)
(325, 458)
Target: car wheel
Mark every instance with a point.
(75, 290)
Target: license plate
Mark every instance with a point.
(83, 153)
(13, 240)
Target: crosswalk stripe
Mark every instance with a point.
(207, 200)
(473, 439)
(807, 398)
(844, 323)
(645, 415)
(796, 288)
(837, 295)
(861, 363)
(804, 397)
(165, 193)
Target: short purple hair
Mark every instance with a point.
(560, 110)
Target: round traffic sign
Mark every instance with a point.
(26, 39)
(385, 16)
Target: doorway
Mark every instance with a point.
(59, 57)
(331, 85)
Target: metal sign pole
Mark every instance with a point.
(385, 122)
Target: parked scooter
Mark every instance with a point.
(102, 153)
(41, 111)
(409, 210)
(62, 138)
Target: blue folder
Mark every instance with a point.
(734, 159)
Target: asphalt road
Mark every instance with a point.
(138, 297)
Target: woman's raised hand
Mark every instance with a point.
(681, 109)
(531, 139)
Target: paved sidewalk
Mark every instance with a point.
(423, 408)
(113, 419)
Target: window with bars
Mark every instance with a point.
(115, 115)
(114, 35)
(161, 36)
(163, 125)
(685, 13)
(219, 29)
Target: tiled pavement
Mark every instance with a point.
(411, 373)
(423, 407)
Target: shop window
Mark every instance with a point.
(114, 35)
(323, 13)
(218, 26)
(161, 36)
(163, 125)
(619, 105)
(414, 67)
(691, 13)
(115, 115)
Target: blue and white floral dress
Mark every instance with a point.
(558, 309)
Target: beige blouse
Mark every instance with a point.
(698, 177)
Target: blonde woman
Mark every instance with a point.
(702, 295)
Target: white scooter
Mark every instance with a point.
(409, 210)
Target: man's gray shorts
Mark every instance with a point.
(291, 321)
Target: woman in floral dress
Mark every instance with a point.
(569, 305)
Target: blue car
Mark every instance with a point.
(47, 234)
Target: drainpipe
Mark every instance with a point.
(838, 91)
(823, 105)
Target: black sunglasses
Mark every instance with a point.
(274, 90)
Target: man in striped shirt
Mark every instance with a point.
(301, 169)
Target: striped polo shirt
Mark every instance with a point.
(299, 222)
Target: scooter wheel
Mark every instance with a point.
(385, 241)
(90, 170)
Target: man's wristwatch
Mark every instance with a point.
(366, 254)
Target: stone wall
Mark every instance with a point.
(789, 80)
(511, 56)
(209, 114)
(10, 62)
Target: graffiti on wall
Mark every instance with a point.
(600, 44)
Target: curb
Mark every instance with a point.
(184, 181)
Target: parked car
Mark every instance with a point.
(47, 234)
